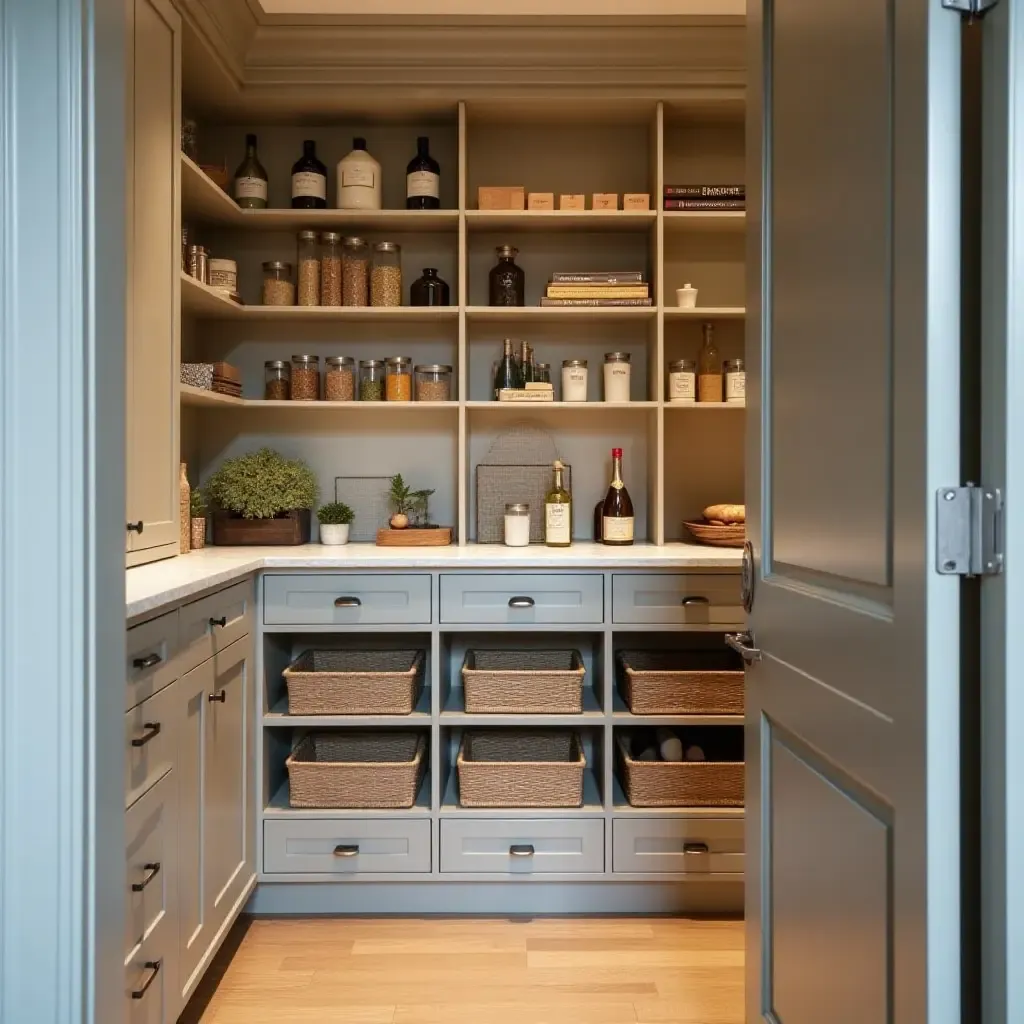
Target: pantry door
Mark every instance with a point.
(853, 412)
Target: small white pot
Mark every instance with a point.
(334, 533)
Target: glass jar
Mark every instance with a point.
(429, 290)
(517, 525)
(199, 263)
(278, 286)
(340, 379)
(507, 281)
(433, 383)
(574, 380)
(371, 380)
(330, 269)
(309, 269)
(398, 383)
(305, 378)
(223, 275)
(355, 272)
(277, 380)
(190, 139)
(386, 275)
(616, 376)
(542, 373)
(735, 381)
(682, 381)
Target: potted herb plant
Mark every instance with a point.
(335, 519)
(262, 498)
(197, 515)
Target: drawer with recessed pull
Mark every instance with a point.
(522, 598)
(152, 648)
(678, 845)
(530, 846)
(678, 599)
(343, 846)
(148, 743)
(336, 599)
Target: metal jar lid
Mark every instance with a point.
(399, 361)
(433, 368)
(733, 366)
(307, 360)
(517, 509)
(683, 366)
(542, 366)
(617, 357)
(330, 237)
(275, 364)
(507, 251)
(307, 236)
(340, 362)
(277, 265)
(371, 364)
(223, 264)
(574, 363)
(387, 247)
(352, 241)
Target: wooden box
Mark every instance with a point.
(636, 201)
(572, 202)
(290, 528)
(605, 201)
(501, 197)
(414, 537)
(541, 201)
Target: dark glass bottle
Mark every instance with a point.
(251, 182)
(507, 281)
(429, 290)
(309, 180)
(617, 520)
(508, 374)
(423, 179)
(599, 522)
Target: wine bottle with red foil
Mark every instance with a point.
(617, 521)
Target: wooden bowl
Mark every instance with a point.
(716, 535)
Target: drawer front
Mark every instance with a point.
(524, 846)
(148, 743)
(341, 600)
(691, 845)
(151, 657)
(522, 599)
(148, 984)
(212, 623)
(341, 846)
(677, 598)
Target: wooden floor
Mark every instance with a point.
(474, 971)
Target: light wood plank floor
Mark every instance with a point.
(476, 971)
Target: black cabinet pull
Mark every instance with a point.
(219, 697)
(521, 602)
(148, 661)
(346, 851)
(222, 621)
(521, 850)
(152, 731)
(347, 602)
(135, 527)
(152, 870)
(689, 848)
(688, 601)
(154, 967)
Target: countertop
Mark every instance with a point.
(150, 587)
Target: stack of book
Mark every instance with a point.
(598, 288)
(705, 197)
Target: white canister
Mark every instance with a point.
(682, 381)
(574, 380)
(616, 376)
(735, 381)
(223, 274)
(686, 297)
(517, 526)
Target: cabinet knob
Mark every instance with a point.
(152, 730)
(521, 602)
(521, 850)
(346, 851)
(148, 661)
(692, 848)
(135, 527)
(219, 697)
(347, 602)
(152, 870)
(153, 966)
(222, 621)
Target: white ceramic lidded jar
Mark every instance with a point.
(616, 376)
(359, 184)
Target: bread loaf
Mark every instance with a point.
(726, 514)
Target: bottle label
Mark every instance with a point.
(557, 520)
(309, 183)
(735, 386)
(423, 183)
(250, 188)
(618, 528)
(357, 177)
(682, 386)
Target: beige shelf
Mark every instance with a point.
(200, 300)
(201, 398)
(679, 221)
(207, 399)
(703, 406)
(559, 314)
(558, 220)
(564, 407)
(202, 199)
(706, 313)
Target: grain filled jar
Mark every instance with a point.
(433, 383)
(309, 269)
(355, 272)
(330, 268)
(682, 381)
(305, 378)
(616, 376)
(386, 275)
(276, 380)
(398, 380)
(340, 379)
(735, 381)
(278, 286)
(371, 380)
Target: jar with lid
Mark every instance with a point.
(330, 269)
(371, 380)
(355, 272)
(735, 381)
(574, 380)
(386, 275)
(429, 290)
(278, 286)
(433, 383)
(616, 376)
(340, 379)
(199, 263)
(309, 269)
(305, 378)
(507, 280)
(277, 380)
(542, 373)
(682, 381)
(398, 382)
(517, 525)
(223, 275)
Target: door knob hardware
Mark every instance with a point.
(148, 661)
(222, 621)
(743, 645)
(154, 967)
(136, 527)
(220, 697)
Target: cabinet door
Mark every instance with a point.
(154, 261)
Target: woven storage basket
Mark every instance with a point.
(513, 768)
(523, 682)
(680, 783)
(354, 682)
(682, 682)
(360, 769)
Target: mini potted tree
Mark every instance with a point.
(197, 513)
(409, 505)
(335, 519)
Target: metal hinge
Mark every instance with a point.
(970, 8)
(969, 531)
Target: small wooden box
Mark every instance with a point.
(636, 201)
(501, 197)
(289, 528)
(572, 202)
(605, 201)
(541, 201)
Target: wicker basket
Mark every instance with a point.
(682, 682)
(680, 783)
(357, 769)
(523, 682)
(514, 768)
(354, 682)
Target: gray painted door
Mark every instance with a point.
(853, 352)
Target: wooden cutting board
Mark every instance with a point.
(439, 537)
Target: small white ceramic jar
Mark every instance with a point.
(616, 376)
(574, 380)
(517, 526)
(686, 297)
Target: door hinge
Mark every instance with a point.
(970, 9)
(969, 531)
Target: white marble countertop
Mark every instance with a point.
(150, 587)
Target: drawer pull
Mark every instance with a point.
(220, 697)
(222, 621)
(152, 730)
(154, 967)
(693, 848)
(347, 602)
(689, 602)
(523, 850)
(346, 851)
(135, 527)
(148, 661)
(152, 870)
(521, 602)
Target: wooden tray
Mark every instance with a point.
(717, 536)
(438, 537)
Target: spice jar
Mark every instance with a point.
(735, 381)
(198, 263)
(429, 290)
(277, 380)
(340, 379)
(330, 269)
(305, 378)
(278, 287)
(309, 269)
(371, 380)
(542, 373)
(224, 275)
(433, 383)
(682, 381)
(355, 272)
(398, 383)
(517, 525)
(386, 275)
(616, 376)
(507, 280)
(574, 380)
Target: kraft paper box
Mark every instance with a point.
(636, 201)
(572, 202)
(605, 201)
(541, 201)
(501, 197)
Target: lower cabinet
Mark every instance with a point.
(697, 846)
(346, 846)
(522, 845)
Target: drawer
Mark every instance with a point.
(522, 598)
(151, 652)
(690, 845)
(210, 624)
(522, 846)
(148, 743)
(677, 599)
(340, 846)
(342, 600)
(148, 983)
